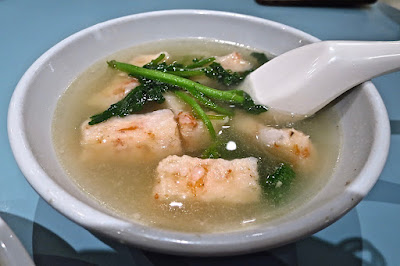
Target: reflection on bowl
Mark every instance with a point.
(362, 118)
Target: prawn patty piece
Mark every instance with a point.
(134, 138)
(207, 180)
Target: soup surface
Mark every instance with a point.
(126, 189)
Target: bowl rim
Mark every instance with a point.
(236, 242)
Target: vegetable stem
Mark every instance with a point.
(186, 73)
(198, 111)
(158, 59)
(210, 104)
(217, 117)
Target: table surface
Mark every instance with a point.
(367, 235)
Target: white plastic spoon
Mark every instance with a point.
(304, 80)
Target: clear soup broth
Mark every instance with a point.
(126, 189)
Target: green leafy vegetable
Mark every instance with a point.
(212, 152)
(238, 97)
(177, 68)
(177, 81)
(226, 77)
(199, 63)
(213, 70)
(260, 57)
(148, 91)
(158, 77)
(277, 184)
(249, 105)
(173, 68)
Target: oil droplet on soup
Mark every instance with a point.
(126, 189)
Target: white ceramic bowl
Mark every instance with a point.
(12, 252)
(363, 119)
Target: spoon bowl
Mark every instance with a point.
(304, 80)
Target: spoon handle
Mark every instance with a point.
(366, 60)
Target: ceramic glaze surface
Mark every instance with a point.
(319, 73)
